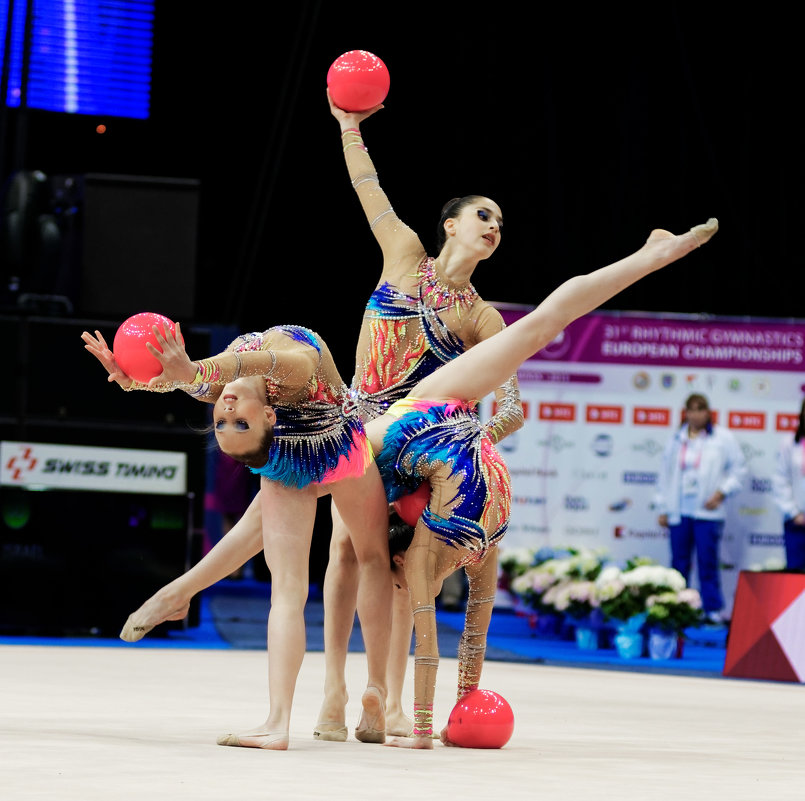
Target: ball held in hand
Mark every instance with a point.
(481, 719)
(131, 355)
(358, 80)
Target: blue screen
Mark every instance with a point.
(87, 56)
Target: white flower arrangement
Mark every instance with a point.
(674, 610)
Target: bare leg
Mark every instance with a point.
(487, 365)
(364, 510)
(398, 724)
(289, 516)
(172, 602)
(340, 601)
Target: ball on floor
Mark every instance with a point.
(481, 719)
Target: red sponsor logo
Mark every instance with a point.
(651, 416)
(495, 408)
(786, 422)
(19, 464)
(595, 413)
(560, 412)
(752, 421)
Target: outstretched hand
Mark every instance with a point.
(176, 364)
(97, 346)
(350, 118)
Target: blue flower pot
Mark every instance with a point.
(663, 644)
(629, 637)
(586, 638)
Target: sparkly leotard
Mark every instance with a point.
(405, 338)
(318, 435)
(446, 444)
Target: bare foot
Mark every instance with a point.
(399, 725)
(421, 743)
(372, 726)
(268, 741)
(165, 604)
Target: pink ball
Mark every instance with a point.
(358, 80)
(481, 719)
(131, 355)
(411, 506)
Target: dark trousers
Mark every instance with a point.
(794, 546)
(704, 536)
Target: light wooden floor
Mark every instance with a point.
(140, 723)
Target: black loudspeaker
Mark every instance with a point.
(78, 563)
(138, 246)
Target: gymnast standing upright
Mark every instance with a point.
(423, 312)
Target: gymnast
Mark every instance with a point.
(423, 312)
(439, 408)
(434, 435)
(281, 408)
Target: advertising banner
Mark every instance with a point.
(602, 400)
(38, 465)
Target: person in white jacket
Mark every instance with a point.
(789, 494)
(702, 465)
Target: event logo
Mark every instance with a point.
(648, 446)
(556, 443)
(576, 503)
(767, 540)
(581, 531)
(747, 421)
(528, 500)
(651, 416)
(557, 412)
(624, 533)
(621, 505)
(641, 380)
(762, 485)
(539, 472)
(596, 413)
(602, 445)
(530, 528)
(784, 421)
(639, 477)
(752, 511)
(667, 380)
(583, 474)
(21, 463)
(751, 452)
(83, 467)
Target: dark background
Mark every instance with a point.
(588, 127)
